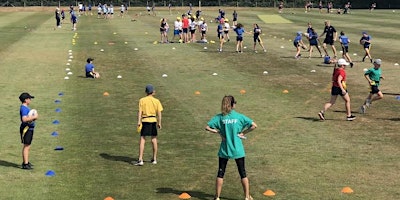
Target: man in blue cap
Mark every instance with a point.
(149, 118)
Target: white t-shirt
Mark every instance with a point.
(226, 27)
(178, 25)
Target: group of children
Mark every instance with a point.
(331, 35)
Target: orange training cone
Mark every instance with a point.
(269, 193)
(197, 92)
(108, 198)
(347, 190)
(242, 91)
(106, 94)
(184, 196)
(285, 91)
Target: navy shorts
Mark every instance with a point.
(374, 89)
(149, 129)
(345, 49)
(239, 38)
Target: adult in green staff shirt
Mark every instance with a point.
(232, 127)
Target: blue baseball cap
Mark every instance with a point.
(149, 89)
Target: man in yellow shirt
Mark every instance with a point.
(149, 118)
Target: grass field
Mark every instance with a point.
(292, 152)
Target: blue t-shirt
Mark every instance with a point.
(239, 31)
(230, 126)
(220, 29)
(297, 39)
(345, 40)
(89, 67)
(23, 111)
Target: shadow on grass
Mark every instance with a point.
(8, 164)
(389, 93)
(116, 158)
(391, 119)
(314, 119)
(194, 194)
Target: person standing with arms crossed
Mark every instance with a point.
(338, 88)
(26, 129)
(232, 127)
(373, 76)
(149, 118)
(330, 38)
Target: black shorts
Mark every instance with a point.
(185, 30)
(193, 31)
(328, 41)
(345, 49)
(239, 38)
(26, 136)
(149, 129)
(89, 75)
(256, 39)
(374, 89)
(336, 91)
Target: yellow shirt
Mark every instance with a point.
(149, 106)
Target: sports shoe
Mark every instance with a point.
(250, 198)
(26, 166)
(216, 198)
(351, 118)
(153, 161)
(138, 163)
(351, 65)
(265, 50)
(363, 59)
(362, 109)
(321, 115)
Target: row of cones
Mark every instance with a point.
(270, 193)
(243, 92)
(346, 190)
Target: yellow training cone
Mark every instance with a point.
(347, 190)
(285, 91)
(184, 196)
(155, 42)
(242, 91)
(106, 94)
(269, 193)
(197, 92)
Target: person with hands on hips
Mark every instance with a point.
(232, 127)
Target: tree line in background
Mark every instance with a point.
(362, 4)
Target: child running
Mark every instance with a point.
(298, 43)
(344, 41)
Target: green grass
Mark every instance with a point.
(291, 153)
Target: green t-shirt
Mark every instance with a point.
(230, 126)
(374, 74)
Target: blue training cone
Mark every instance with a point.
(58, 110)
(56, 122)
(61, 94)
(50, 173)
(54, 134)
(57, 101)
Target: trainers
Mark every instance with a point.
(362, 109)
(153, 161)
(321, 115)
(138, 163)
(351, 65)
(351, 118)
(250, 198)
(363, 59)
(26, 166)
(216, 198)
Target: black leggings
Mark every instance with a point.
(239, 163)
